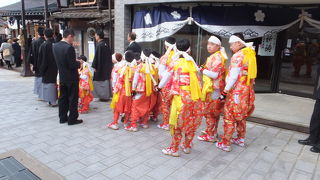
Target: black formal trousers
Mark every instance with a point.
(68, 101)
(315, 124)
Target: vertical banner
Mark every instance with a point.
(268, 45)
(91, 50)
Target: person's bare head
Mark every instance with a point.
(48, 33)
(132, 36)
(99, 35)
(40, 31)
(68, 36)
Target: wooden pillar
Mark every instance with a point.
(26, 71)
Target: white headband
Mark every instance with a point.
(168, 44)
(234, 39)
(134, 62)
(143, 56)
(186, 56)
(114, 56)
(170, 47)
(214, 40)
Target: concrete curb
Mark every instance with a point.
(278, 124)
(35, 166)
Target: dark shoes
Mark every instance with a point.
(315, 149)
(305, 142)
(79, 121)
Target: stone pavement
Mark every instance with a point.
(285, 108)
(91, 151)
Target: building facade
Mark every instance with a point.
(280, 71)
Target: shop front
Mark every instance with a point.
(275, 31)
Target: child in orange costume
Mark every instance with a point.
(85, 86)
(185, 113)
(142, 86)
(121, 101)
(155, 103)
(213, 83)
(166, 98)
(239, 92)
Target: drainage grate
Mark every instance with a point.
(11, 169)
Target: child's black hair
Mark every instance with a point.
(183, 45)
(129, 56)
(147, 52)
(171, 40)
(83, 57)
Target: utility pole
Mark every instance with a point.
(26, 71)
(46, 13)
(110, 25)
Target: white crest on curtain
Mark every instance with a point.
(147, 19)
(259, 16)
(176, 15)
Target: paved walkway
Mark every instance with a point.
(91, 151)
(284, 108)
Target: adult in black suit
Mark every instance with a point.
(68, 66)
(102, 64)
(314, 128)
(36, 63)
(16, 52)
(48, 69)
(133, 46)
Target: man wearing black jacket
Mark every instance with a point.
(102, 64)
(133, 46)
(68, 66)
(34, 53)
(16, 52)
(48, 69)
(314, 128)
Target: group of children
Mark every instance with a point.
(145, 85)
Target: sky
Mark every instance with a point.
(7, 2)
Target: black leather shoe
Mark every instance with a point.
(62, 122)
(79, 121)
(315, 149)
(305, 142)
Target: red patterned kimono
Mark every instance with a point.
(212, 86)
(155, 105)
(121, 101)
(239, 103)
(166, 97)
(85, 88)
(185, 115)
(142, 102)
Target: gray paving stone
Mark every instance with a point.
(305, 166)
(98, 177)
(252, 175)
(156, 161)
(183, 173)
(138, 171)
(115, 170)
(70, 168)
(134, 161)
(75, 176)
(160, 172)
(92, 169)
(300, 175)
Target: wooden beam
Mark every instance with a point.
(59, 4)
